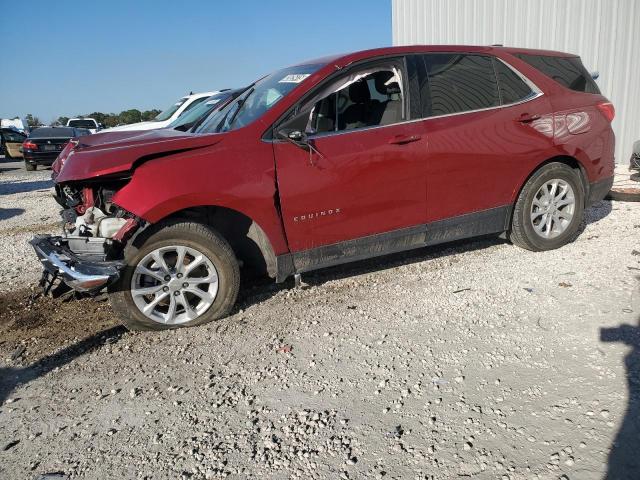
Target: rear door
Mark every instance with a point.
(487, 127)
(361, 168)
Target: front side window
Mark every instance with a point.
(367, 98)
(460, 83)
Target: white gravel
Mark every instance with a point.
(476, 360)
(26, 208)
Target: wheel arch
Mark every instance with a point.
(249, 242)
(568, 160)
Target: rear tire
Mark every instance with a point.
(30, 167)
(177, 236)
(529, 211)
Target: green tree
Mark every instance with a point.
(111, 120)
(130, 116)
(61, 121)
(98, 117)
(150, 114)
(32, 121)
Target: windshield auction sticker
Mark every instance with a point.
(294, 78)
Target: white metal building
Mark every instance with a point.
(605, 33)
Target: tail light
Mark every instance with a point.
(607, 109)
(29, 145)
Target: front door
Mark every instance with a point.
(360, 168)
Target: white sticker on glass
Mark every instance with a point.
(294, 78)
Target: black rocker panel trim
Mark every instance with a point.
(485, 222)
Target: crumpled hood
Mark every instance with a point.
(113, 152)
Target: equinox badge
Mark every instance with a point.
(314, 215)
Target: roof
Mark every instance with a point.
(344, 59)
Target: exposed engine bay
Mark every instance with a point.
(92, 224)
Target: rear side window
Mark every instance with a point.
(447, 83)
(567, 71)
(459, 83)
(512, 88)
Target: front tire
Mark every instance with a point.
(549, 209)
(184, 274)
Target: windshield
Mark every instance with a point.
(166, 115)
(257, 100)
(82, 124)
(205, 108)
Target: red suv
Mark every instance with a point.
(330, 161)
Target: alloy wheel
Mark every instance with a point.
(174, 284)
(552, 208)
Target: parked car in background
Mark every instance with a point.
(167, 116)
(90, 124)
(11, 141)
(192, 118)
(330, 161)
(16, 123)
(43, 144)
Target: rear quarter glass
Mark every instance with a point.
(567, 71)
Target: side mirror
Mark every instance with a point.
(296, 137)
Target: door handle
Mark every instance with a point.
(527, 118)
(404, 139)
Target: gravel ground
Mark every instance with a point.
(476, 359)
(26, 208)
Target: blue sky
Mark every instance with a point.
(74, 57)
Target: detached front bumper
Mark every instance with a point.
(83, 275)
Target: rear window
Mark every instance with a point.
(45, 132)
(567, 71)
(82, 123)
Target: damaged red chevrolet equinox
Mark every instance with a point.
(330, 161)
